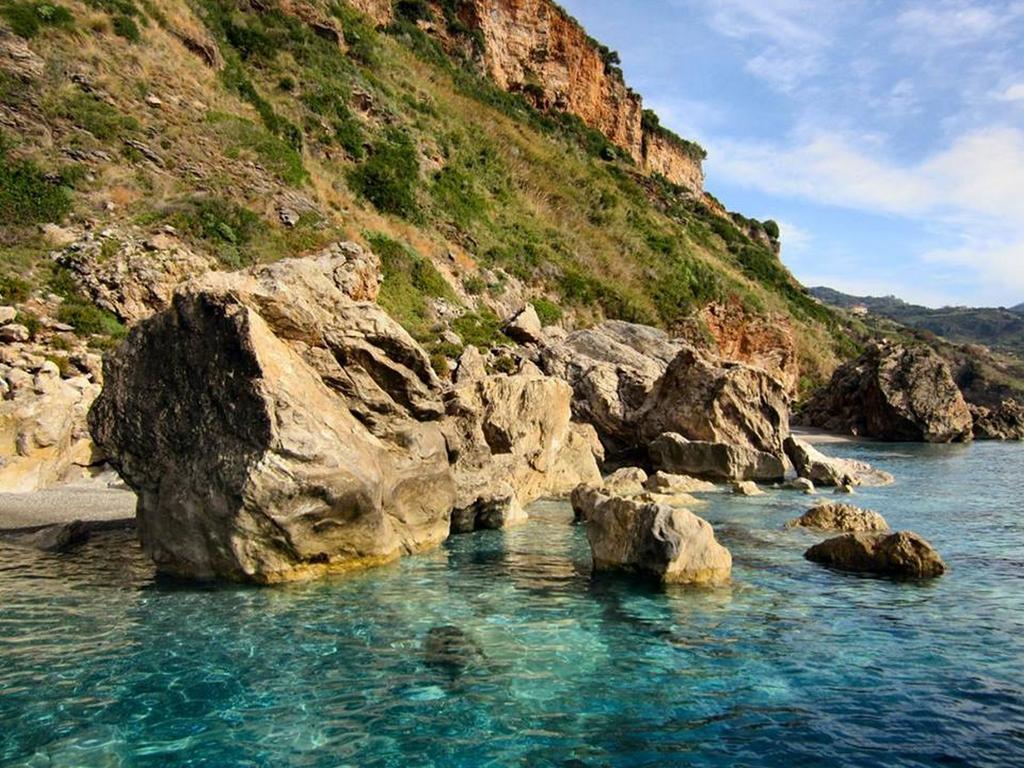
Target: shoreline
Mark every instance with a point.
(89, 502)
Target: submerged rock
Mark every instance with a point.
(895, 393)
(668, 545)
(57, 538)
(675, 454)
(451, 649)
(897, 554)
(840, 517)
(274, 428)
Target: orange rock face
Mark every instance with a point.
(664, 157)
(755, 341)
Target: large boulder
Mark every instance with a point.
(813, 465)
(714, 401)
(612, 369)
(902, 554)
(674, 454)
(893, 392)
(665, 544)
(840, 517)
(512, 441)
(274, 428)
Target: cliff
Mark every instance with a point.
(534, 48)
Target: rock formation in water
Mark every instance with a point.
(902, 554)
(667, 544)
(811, 464)
(840, 517)
(1003, 422)
(276, 428)
(895, 393)
(675, 454)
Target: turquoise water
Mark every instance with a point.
(791, 665)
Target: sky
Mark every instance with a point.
(885, 136)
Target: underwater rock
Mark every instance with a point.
(451, 650)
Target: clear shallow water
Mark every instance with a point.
(790, 665)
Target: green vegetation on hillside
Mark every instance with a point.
(386, 132)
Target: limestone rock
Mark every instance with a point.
(895, 393)
(512, 432)
(746, 488)
(663, 482)
(717, 402)
(612, 369)
(801, 484)
(525, 327)
(7, 315)
(275, 429)
(902, 554)
(13, 333)
(820, 469)
(674, 453)
(668, 545)
(584, 498)
(628, 481)
(1004, 422)
(840, 517)
(43, 435)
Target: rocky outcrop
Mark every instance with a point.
(628, 481)
(612, 369)
(275, 429)
(1005, 422)
(668, 157)
(895, 393)
(840, 517)
(717, 402)
(512, 441)
(763, 342)
(381, 11)
(901, 554)
(665, 544)
(633, 383)
(675, 454)
(812, 464)
(43, 435)
(130, 275)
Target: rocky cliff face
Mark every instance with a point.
(535, 48)
(662, 155)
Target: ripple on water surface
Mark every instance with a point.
(532, 662)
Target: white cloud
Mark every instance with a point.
(795, 239)
(956, 22)
(1013, 92)
(972, 190)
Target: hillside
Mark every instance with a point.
(144, 141)
(997, 327)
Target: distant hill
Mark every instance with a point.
(995, 327)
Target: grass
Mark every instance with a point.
(410, 282)
(390, 176)
(28, 195)
(28, 19)
(81, 314)
(96, 116)
(243, 137)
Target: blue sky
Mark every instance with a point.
(885, 136)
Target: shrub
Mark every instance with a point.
(13, 289)
(31, 321)
(413, 10)
(388, 179)
(96, 116)
(279, 157)
(771, 227)
(27, 195)
(481, 329)
(87, 319)
(226, 227)
(409, 281)
(28, 18)
(548, 312)
(125, 26)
